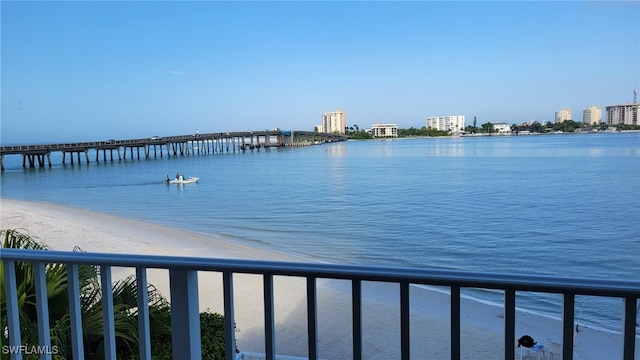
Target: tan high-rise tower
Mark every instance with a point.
(334, 122)
(592, 115)
(562, 115)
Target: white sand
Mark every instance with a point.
(62, 228)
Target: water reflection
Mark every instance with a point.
(336, 149)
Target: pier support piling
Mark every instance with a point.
(179, 145)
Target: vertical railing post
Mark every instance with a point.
(269, 323)
(107, 313)
(13, 313)
(185, 317)
(42, 310)
(75, 314)
(229, 316)
(568, 315)
(144, 329)
(185, 314)
(312, 318)
(405, 340)
(455, 322)
(629, 323)
(509, 323)
(356, 309)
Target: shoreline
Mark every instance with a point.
(62, 228)
(12, 162)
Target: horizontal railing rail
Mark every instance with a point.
(15, 149)
(185, 311)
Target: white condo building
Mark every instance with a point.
(623, 114)
(334, 122)
(380, 130)
(502, 127)
(562, 115)
(592, 115)
(451, 123)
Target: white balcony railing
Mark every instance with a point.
(185, 308)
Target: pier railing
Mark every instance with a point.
(177, 145)
(185, 308)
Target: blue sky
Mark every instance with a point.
(84, 71)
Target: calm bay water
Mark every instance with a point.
(565, 205)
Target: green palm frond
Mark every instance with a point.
(61, 335)
(125, 300)
(13, 239)
(125, 308)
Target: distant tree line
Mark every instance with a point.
(486, 128)
(355, 132)
(567, 126)
(423, 131)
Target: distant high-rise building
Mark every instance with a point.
(334, 122)
(562, 115)
(623, 114)
(592, 115)
(451, 123)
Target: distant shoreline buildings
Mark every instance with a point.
(623, 114)
(592, 115)
(383, 130)
(502, 128)
(453, 123)
(626, 114)
(563, 115)
(334, 122)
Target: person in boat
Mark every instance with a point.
(167, 179)
(177, 176)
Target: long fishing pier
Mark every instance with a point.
(179, 145)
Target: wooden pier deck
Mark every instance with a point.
(177, 145)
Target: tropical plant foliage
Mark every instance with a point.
(423, 131)
(361, 135)
(212, 335)
(125, 310)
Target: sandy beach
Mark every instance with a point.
(62, 228)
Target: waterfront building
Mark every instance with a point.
(381, 130)
(451, 123)
(592, 115)
(502, 128)
(334, 122)
(562, 115)
(623, 114)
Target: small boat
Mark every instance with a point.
(182, 180)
